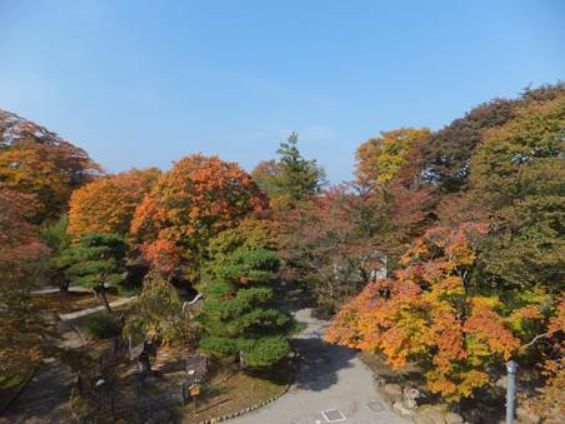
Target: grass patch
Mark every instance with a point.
(229, 390)
(103, 326)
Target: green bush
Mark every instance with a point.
(104, 326)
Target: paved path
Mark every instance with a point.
(51, 290)
(79, 314)
(45, 399)
(329, 378)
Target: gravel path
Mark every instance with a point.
(329, 378)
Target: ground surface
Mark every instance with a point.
(329, 378)
(331, 386)
(230, 391)
(45, 398)
(76, 299)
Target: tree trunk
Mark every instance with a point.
(105, 300)
(64, 285)
(100, 290)
(144, 364)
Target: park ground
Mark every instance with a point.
(328, 383)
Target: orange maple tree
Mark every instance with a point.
(434, 313)
(107, 204)
(50, 171)
(197, 199)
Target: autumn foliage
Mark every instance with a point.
(197, 199)
(380, 159)
(20, 254)
(482, 282)
(40, 163)
(107, 204)
(446, 251)
(431, 312)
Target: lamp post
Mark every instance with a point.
(511, 367)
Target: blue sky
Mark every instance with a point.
(140, 83)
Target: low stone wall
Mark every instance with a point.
(402, 400)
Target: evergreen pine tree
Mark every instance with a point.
(239, 316)
(95, 261)
(296, 177)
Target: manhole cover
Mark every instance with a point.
(333, 415)
(375, 406)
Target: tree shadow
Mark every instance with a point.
(319, 363)
(292, 296)
(172, 366)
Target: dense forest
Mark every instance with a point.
(446, 250)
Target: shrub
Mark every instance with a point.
(104, 326)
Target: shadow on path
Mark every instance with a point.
(320, 363)
(45, 399)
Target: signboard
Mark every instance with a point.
(194, 390)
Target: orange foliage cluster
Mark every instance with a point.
(107, 205)
(197, 199)
(50, 171)
(430, 313)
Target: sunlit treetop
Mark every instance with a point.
(107, 204)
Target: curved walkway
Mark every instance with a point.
(330, 379)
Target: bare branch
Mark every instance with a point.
(536, 338)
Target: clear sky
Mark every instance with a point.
(140, 83)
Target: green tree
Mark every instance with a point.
(250, 234)
(518, 174)
(55, 237)
(296, 176)
(239, 315)
(446, 157)
(96, 261)
(265, 175)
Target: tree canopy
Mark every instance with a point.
(239, 315)
(96, 261)
(380, 159)
(107, 204)
(187, 206)
(291, 176)
(36, 161)
(21, 257)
